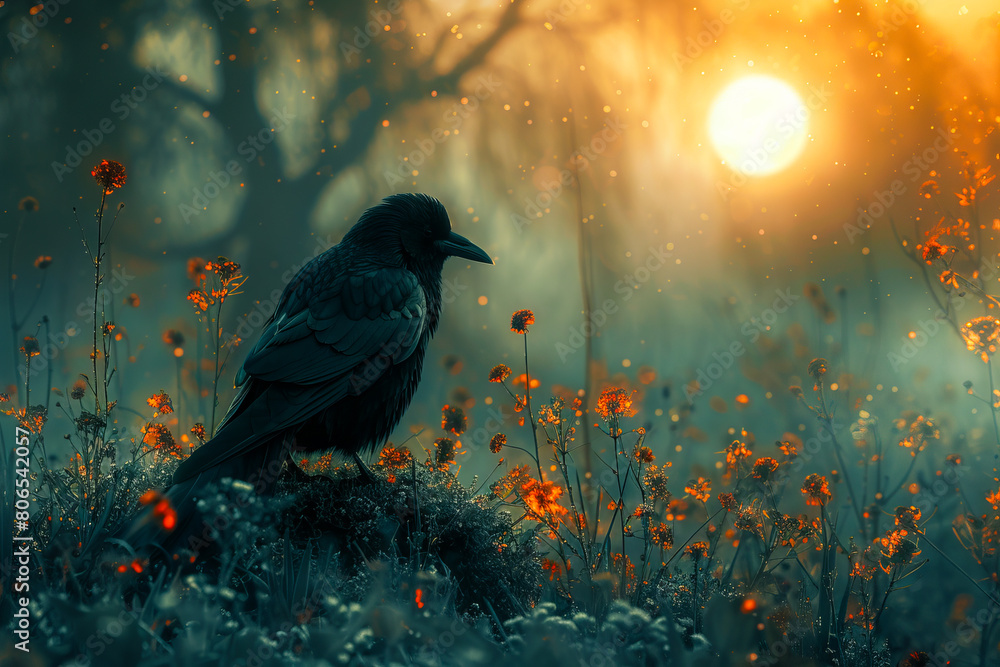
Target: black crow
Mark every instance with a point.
(335, 366)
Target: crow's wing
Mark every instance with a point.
(333, 334)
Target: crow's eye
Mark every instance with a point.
(427, 233)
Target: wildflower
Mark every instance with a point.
(737, 451)
(160, 403)
(615, 402)
(552, 567)
(454, 420)
(697, 551)
(30, 347)
(656, 483)
(43, 262)
(198, 430)
(79, 390)
(158, 439)
(108, 327)
(898, 549)
(702, 489)
(643, 511)
(933, 250)
(521, 320)
(199, 298)
(792, 530)
(817, 368)
(861, 571)
(763, 467)
(816, 490)
(225, 268)
(444, 453)
(497, 442)
(949, 277)
(787, 448)
(728, 502)
(542, 498)
(662, 536)
(981, 335)
(196, 269)
(394, 458)
(499, 373)
(173, 337)
(796, 391)
(921, 430)
(132, 300)
(28, 204)
(522, 380)
(929, 188)
(162, 508)
(747, 521)
(907, 517)
(643, 454)
(954, 459)
(110, 175)
(510, 481)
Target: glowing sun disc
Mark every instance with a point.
(758, 125)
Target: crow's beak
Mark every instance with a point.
(459, 246)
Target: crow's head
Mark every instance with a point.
(416, 228)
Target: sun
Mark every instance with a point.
(758, 125)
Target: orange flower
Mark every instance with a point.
(907, 517)
(981, 335)
(697, 551)
(199, 298)
(702, 489)
(643, 454)
(728, 502)
(816, 490)
(199, 432)
(521, 320)
(552, 567)
(79, 390)
(929, 189)
(736, 452)
(196, 270)
(497, 442)
(160, 403)
(110, 175)
(763, 468)
(510, 481)
(394, 458)
(444, 453)
(615, 402)
(158, 439)
(43, 262)
(30, 347)
(454, 420)
(662, 536)
(499, 373)
(817, 368)
(933, 250)
(656, 482)
(542, 498)
(173, 337)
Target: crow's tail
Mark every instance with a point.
(171, 527)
